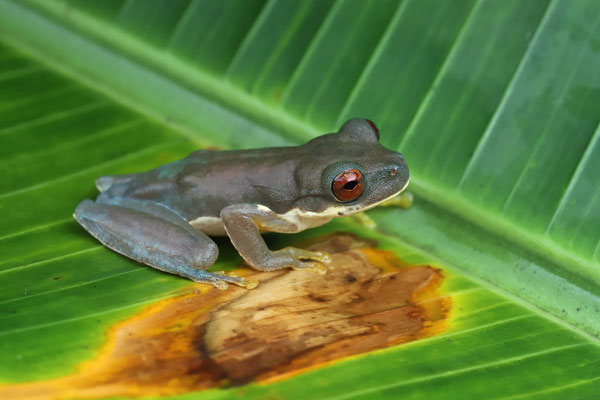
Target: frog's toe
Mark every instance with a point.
(364, 220)
(220, 285)
(222, 279)
(307, 255)
(313, 266)
(232, 277)
(248, 283)
(321, 256)
(320, 268)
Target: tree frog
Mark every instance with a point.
(164, 217)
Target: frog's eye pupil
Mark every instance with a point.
(348, 185)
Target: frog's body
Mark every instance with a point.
(162, 217)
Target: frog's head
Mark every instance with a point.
(349, 171)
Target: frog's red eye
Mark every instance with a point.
(348, 185)
(374, 127)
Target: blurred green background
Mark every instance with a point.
(495, 105)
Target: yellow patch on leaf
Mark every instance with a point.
(294, 321)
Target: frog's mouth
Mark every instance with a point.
(389, 197)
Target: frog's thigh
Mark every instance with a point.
(163, 241)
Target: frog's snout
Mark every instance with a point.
(398, 165)
(398, 170)
(401, 161)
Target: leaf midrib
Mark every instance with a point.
(179, 72)
(148, 58)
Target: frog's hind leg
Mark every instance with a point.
(156, 236)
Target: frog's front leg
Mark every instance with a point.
(244, 223)
(156, 236)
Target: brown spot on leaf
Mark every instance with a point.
(294, 321)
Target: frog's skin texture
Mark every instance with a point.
(164, 217)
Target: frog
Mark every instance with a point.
(165, 217)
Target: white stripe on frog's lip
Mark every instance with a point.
(329, 213)
(302, 219)
(350, 211)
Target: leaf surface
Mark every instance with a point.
(494, 105)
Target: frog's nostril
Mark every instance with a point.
(393, 171)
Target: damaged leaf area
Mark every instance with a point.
(294, 321)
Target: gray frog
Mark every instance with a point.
(164, 217)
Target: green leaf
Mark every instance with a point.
(494, 104)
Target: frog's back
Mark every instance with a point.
(106, 182)
(205, 181)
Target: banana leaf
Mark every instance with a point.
(495, 105)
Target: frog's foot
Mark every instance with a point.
(221, 280)
(299, 259)
(364, 220)
(310, 266)
(306, 255)
(403, 200)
